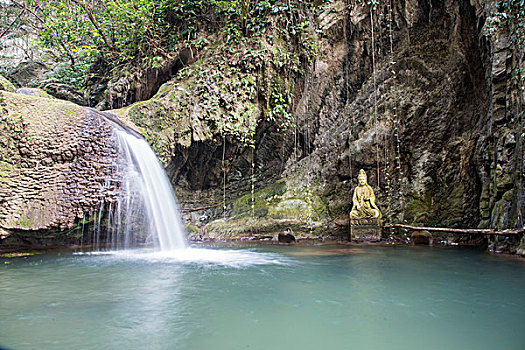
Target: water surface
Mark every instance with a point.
(264, 297)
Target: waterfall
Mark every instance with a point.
(146, 208)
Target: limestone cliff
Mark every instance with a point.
(54, 162)
(420, 95)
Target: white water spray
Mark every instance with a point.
(146, 208)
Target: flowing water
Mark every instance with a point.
(146, 209)
(264, 297)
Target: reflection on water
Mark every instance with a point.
(263, 298)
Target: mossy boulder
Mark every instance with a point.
(284, 204)
(6, 85)
(54, 160)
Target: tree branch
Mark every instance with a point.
(12, 24)
(202, 208)
(93, 21)
(470, 231)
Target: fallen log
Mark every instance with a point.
(467, 231)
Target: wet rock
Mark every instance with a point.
(47, 181)
(286, 237)
(33, 92)
(195, 237)
(95, 95)
(421, 238)
(521, 250)
(29, 72)
(65, 92)
(203, 219)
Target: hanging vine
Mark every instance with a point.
(372, 11)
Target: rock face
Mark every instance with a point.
(135, 83)
(65, 92)
(412, 122)
(432, 116)
(55, 160)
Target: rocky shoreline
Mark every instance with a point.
(283, 239)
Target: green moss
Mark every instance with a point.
(192, 228)
(248, 227)
(88, 219)
(25, 222)
(164, 89)
(418, 206)
(282, 200)
(71, 111)
(156, 124)
(496, 215)
(300, 206)
(263, 199)
(507, 196)
(19, 254)
(291, 208)
(235, 228)
(148, 114)
(5, 172)
(437, 205)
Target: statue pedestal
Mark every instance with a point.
(365, 229)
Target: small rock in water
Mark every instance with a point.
(286, 237)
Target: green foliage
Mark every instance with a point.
(280, 101)
(262, 49)
(73, 75)
(25, 222)
(118, 31)
(19, 254)
(6, 85)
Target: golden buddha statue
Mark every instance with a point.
(364, 205)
